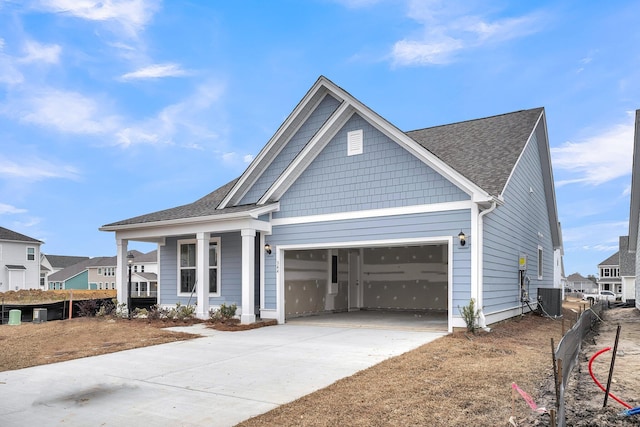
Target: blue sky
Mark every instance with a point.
(113, 109)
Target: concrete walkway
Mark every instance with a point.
(218, 380)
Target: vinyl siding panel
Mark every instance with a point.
(384, 176)
(315, 121)
(230, 273)
(440, 224)
(81, 281)
(515, 228)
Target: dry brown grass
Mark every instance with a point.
(457, 380)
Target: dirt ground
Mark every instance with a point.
(584, 399)
(460, 379)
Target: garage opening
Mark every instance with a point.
(402, 284)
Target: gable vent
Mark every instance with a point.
(354, 142)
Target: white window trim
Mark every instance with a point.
(215, 240)
(540, 262)
(34, 253)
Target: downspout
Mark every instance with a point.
(482, 323)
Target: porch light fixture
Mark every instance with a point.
(129, 264)
(267, 249)
(463, 238)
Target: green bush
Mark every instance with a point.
(223, 313)
(469, 314)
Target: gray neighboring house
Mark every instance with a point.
(578, 283)
(627, 270)
(50, 264)
(342, 211)
(634, 211)
(19, 261)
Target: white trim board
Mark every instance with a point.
(375, 213)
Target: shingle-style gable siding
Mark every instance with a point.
(293, 147)
(384, 176)
(515, 228)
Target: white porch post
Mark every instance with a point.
(248, 276)
(202, 275)
(121, 270)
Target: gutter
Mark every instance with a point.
(482, 323)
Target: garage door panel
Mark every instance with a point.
(407, 295)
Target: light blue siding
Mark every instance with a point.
(230, 271)
(315, 121)
(515, 228)
(384, 176)
(441, 224)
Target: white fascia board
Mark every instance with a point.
(309, 152)
(375, 213)
(229, 218)
(193, 228)
(293, 122)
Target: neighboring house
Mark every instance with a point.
(19, 261)
(634, 211)
(609, 271)
(50, 264)
(578, 283)
(100, 273)
(343, 211)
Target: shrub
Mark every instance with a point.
(87, 308)
(469, 314)
(184, 311)
(223, 313)
(107, 308)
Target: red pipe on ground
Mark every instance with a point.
(625, 404)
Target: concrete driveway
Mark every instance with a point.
(218, 380)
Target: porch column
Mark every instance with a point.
(202, 275)
(121, 270)
(248, 275)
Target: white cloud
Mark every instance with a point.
(35, 169)
(64, 111)
(130, 15)
(248, 158)
(156, 71)
(449, 28)
(185, 123)
(595, 235)
(598, 159)
(8, 209)
(36, 52)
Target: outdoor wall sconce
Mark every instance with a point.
(267, 249)
(463, 238)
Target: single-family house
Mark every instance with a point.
(343, 211)
(19, 261)
(578, 283)
(50, 264)
(634, 211)
(609, 271)
(618, 272)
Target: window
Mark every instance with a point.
(213, 267)
(135, 268)
(99, 272)
(31, 254)
(142, 268)
(540, 266)
(187, 268)
(109, 271)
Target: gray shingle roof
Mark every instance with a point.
(612, 260)
(484, 150)
(63, 261)
(6, 234)
(204, 206)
